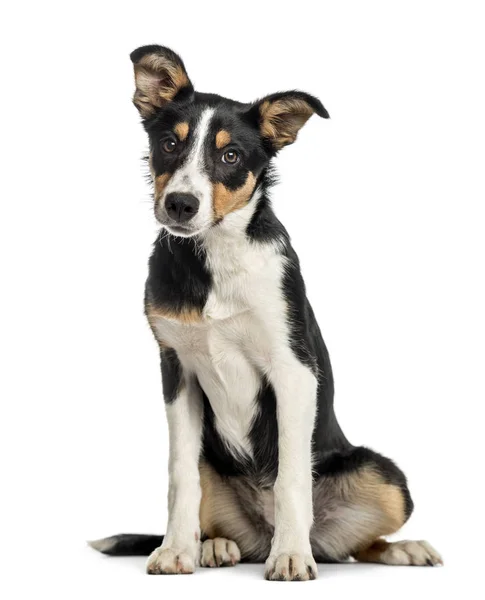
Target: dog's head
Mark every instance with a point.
(207, 153)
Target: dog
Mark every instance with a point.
(259, 468)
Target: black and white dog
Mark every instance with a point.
(259, 468)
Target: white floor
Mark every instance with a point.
(83, 573)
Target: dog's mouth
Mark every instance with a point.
(180, 230)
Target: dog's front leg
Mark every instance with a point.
(291, 555)
(179, 552)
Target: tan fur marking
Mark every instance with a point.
(373, 553)
(369, 489)
(157, 82)
(187, 316)
(226, 200)
(223, 138)
(367, 508)
(220, 511)
(153, 314)
(182, 131)
(206, 513)
(392, 502)
(282, 119)
(160, 184)
(151, 318)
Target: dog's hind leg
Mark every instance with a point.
(359, 497)
(233, 519)
(219, 552)
(405, 552)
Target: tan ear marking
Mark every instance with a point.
(158, 80)
(282, 119)
(182, 131)
(226, 200)
(223, 138)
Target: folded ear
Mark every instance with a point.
(282, 115)
(160, 76)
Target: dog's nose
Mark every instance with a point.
(181, 207)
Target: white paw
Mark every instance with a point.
(291, 567)
(219, 552)
(170, 562)
(411, 553)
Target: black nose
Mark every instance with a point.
(181, 207)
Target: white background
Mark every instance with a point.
(384, 203)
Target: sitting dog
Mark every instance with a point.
(259, 468)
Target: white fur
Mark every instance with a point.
(405, 552)
(192, 178)
(184, 417)
(296, 388)
(228, 351)
(219, 552)
(244, 335)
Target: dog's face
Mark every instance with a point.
(207, 152)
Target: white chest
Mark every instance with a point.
(228, 349)
(216, 354)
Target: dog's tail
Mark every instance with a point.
(127, 544)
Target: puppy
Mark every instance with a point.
(259, 468)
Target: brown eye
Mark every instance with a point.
(169, 145)
(230, 157)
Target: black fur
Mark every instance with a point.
(128, 544)
(230, 115)
(263, 436)
(215, 450)
(171, 373)
(180, 279)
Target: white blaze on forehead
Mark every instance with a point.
(196, 157)
(191, 177)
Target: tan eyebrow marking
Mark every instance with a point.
(223, 138)
(182, 131)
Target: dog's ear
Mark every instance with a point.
(160, 78)
(281, 116)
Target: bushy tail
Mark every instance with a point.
(128, 544)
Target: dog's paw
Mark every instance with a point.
(219, 552)
(411, 553)
(165, 561)
(290, 567)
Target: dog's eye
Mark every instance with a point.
(169, 145)
(230, 157)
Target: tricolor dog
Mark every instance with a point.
(259, 468)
